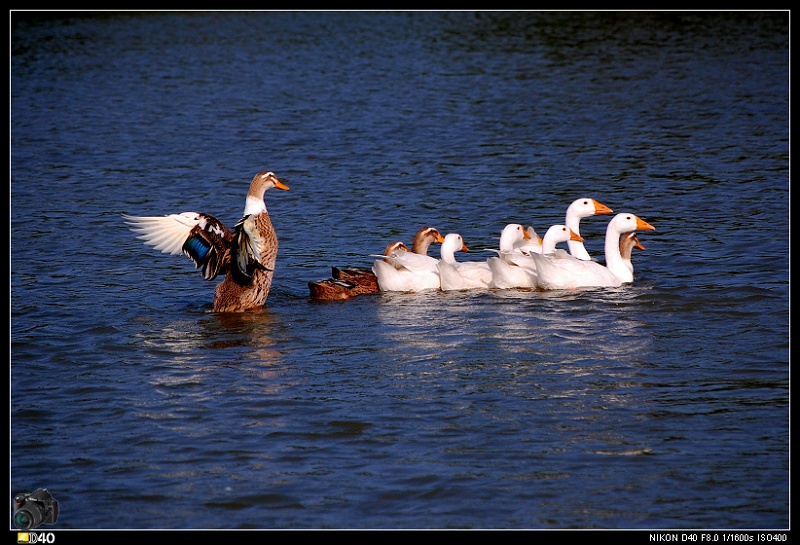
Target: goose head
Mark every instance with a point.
(625, 222)
(452, 244)
(391, 249)
(395, 246)
(424, 238)
(558, 233)
(512, 234)
(532, 235)
(585, 207)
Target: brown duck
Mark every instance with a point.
(349, 282)
(246, 255)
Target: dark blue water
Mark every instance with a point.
(662, 404)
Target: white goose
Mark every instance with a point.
(512, 268)
(555, 235)
(579, 209)
(402, 270)
(531, 243)
(560, 271)
(460, 276)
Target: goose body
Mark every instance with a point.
(555, 235)
(512, 268)
(455, 275)
(402, 270)
(246, 255)
(560, 271)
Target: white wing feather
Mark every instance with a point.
(165, 233)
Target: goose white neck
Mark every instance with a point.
(554, 235)
(576, 248)
(449, 246)
(613, 256)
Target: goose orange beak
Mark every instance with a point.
(600, 208)
(643, 225)
(575, 236)
(280, 185)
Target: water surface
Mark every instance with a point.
(662, 404)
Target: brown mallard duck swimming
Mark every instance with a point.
(349, 282)
(246, 255)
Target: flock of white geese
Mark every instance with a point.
(523, 260)
(246, 255)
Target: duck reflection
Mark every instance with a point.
(252, 336)
(218, 339)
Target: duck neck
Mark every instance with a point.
(254, 205)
